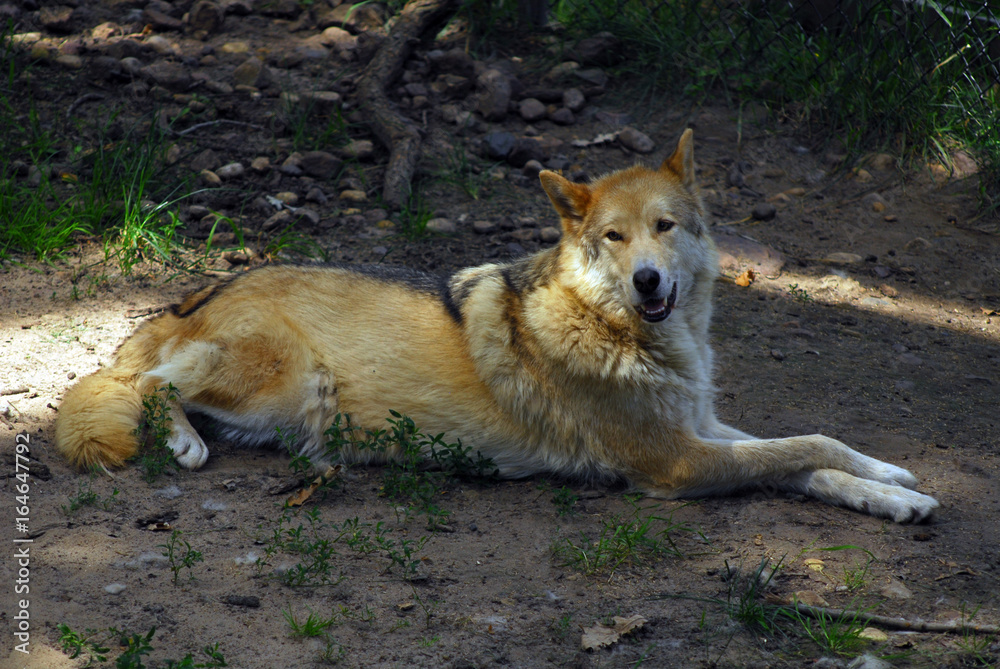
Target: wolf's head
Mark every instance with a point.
(635, 240)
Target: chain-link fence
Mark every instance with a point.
(899, 72)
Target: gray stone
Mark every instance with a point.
(230, 171)
(495, 94)
(562, 116)
(868, 661)
(206, 15)
(573, 99)
(498, 145)
(531, 110)
(453, 61)
(484, 227)
(320, 164)
(168, 74)
(206, 160)
(636, 140)
(441, 225)
(600, 49)
(358, 149)
(764, 211)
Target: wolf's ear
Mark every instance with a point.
(681, 162)
(570, 199)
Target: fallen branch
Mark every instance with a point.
(88, 97)
(954, 627)
(394, 131)
(208, 124)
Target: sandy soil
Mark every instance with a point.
(893, 349)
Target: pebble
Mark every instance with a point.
(777, 355)
(260, 164)
(441, 225)
(532, 168)
(573, 99)
(484, 227)
(351, 195)
(70, 62)
(210, 178)
(235, 47)
(287, 197)
(868, 661)
(562, 116)
(359, 149)
(531, 110)
(114, 588)
(764, 211)
(230, 171)
(636, 140)
(498, 145)
(320, 164)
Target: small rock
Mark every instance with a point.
(532, 168)
(246, 601)
(562, 116)
(260, 164)
(206, 16)
(524, 234)
(874, 201)
(484, 227)
(868, 661)
(441, 225)
(600, 49)
(573, 99)
(351, 195)
(862, 175)
(888, 290)
(764, 211)
(278, 221)
(230, 171)
(550, 234)
(236, 257)
(881, 162)
(252, 72)
(206, 160)
(777, 355)
(320, 164)
(286, 197)
(69, 61)
(210, 178)
(597, 78)
(531, 110)
(498, 145)
(235, 48)
(317, 195)
(358, 149)
(161, 21)
(114, 588)
(57, 19)
(168, 74)
(160, 45)
(495, 94)
(840, 258)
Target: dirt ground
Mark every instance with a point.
(881, 327)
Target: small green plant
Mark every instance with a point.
(87, 496)
(77, 644)
(427, 605)
(458, 170)
(333, 652)
(561, 627)
(136, 646)
(414, 216)
(744, 596)
(154, 429)
(631, 539)
(840, 634)
(976, 647)
(800, 294)
(313, 625)
(565, 500)
(179, 554)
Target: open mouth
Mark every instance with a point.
(656, 310)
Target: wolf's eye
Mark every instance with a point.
(614, 236)
(664, 224)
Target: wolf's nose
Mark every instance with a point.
(646, 280)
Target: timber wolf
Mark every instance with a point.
(587, 359)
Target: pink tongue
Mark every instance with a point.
(653, 305)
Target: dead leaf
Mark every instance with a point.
(602, 635)
(873, 634)
(814, 564)
(159, 527)
(746, 278)
(808, 597)
(300, 498)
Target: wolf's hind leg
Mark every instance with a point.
(187, 445)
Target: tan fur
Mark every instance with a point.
(590, 358)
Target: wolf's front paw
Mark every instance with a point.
(902, 506)
(189, 450)
(883, 472)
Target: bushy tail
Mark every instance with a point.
(97, 420)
